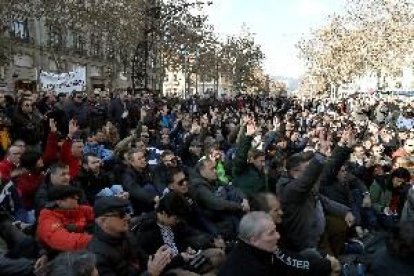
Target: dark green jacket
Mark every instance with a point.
(245, 176)
(381, 194)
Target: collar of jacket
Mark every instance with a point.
(251, 167)
(257, 252)
(84, 173)
(137, 172)
(106, 238)
(144, 222)
(211, 185)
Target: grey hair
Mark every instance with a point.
(252, 224)
(77, 263)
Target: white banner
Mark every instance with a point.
(65, 82)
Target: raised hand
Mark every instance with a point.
(246, 119)
(52, 126)
(325, 144)
(352, 141)
(73, 128)
(276, 123)
(251, 129)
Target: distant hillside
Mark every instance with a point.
(291, 83)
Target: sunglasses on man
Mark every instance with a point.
(119, 214)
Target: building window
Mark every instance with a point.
(55, 38)
(20, 29)
(166, 78)
(79, 44)
(95, 45)
(110, 52)
(175, 77)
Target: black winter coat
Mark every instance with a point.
(149, 237)
(79, 112)
(117, 256)
(259, 262)
(300, 200)
(246, 260)
(116, 109)
(92, 184)
(203, 193)
(133, 182)
(385, 264)
(28, 128)
(161, 177)
(16, 267)
(245, 176)
(41, 197)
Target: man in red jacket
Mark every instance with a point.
(63, 223)
(70, 152)
(9, 163)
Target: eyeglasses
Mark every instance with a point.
(28, 105)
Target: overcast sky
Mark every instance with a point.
(278, 25)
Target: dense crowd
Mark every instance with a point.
(134, 183)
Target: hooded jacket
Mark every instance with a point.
(64, 230)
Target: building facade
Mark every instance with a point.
(36, 47)
(177, 83)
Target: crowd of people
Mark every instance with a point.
(138, 184)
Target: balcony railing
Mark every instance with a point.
(24, 40)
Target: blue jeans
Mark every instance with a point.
(25, 216)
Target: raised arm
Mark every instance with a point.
(240, 160)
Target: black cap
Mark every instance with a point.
(109, 204)
(62, 191)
